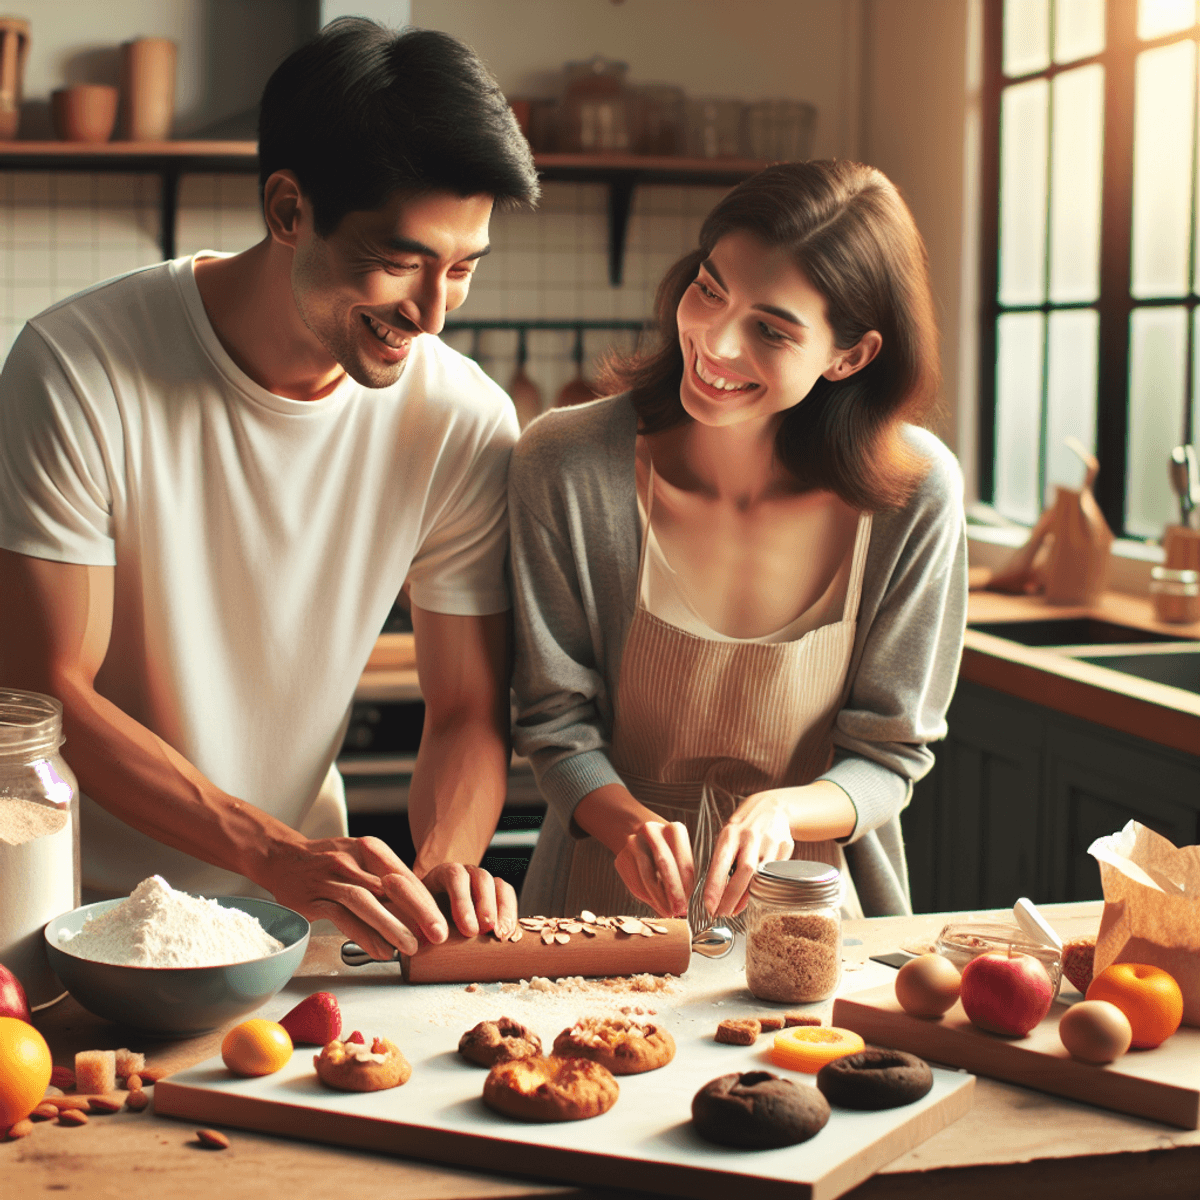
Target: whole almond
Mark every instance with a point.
(62, 1077)
(136, 1101)
(72, 1116)
(151, 1075)
(212, 1139)
(133, 1083)
(44, 1112)
(106, 1104)
(20, 1129)
(65, 1103)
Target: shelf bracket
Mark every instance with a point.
(168, 210)
(620, 201)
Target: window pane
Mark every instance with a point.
(1078, 29)
(1162, 169)
(1023, 141)
(1158, 346)
(1026, 36)
(1076, 184)
(1070, 392)
(1018, 414)
(1156, 17)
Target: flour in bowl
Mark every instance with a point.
(160, 927)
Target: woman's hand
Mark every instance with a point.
(656, 866)
(759, 831)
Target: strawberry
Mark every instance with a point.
(357, 1037)
(316, 1020)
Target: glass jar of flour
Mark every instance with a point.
(39, 837)
(794, 931)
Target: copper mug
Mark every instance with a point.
(147, 89)
(86, 112)
(14, 46)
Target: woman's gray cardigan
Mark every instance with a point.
(575, 544)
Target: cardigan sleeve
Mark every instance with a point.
(904, 666)
(562, 717)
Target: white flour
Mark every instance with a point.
(37, 883)
(160, 927)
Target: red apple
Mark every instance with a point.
(12, 996)
(1006, 993)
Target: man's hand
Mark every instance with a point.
(479, 901)
(361, 886)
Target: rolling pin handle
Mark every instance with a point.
(353, 955)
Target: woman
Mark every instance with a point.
(740, 585)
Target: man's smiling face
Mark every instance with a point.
(387, 275)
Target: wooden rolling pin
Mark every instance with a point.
(484, 959)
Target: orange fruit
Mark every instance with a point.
(256, 1047)
(24, 1070)
(809, 1047)
(1147, 995)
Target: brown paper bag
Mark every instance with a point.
(1067, 554)
(1151, 907)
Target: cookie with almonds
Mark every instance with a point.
(623, 1045)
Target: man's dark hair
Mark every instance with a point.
(361, 112)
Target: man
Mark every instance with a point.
(216, 474)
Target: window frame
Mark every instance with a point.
(1115, 303)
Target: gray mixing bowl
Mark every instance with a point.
(168, 1001)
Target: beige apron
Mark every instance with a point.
(700, 723)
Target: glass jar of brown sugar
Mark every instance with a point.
(794, 932)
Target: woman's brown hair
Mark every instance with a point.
(857, 244)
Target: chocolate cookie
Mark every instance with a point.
(550, 1089)
(623, 1045)
(758, 1111)
(873, 1079)
(492, 1042)
(351, 1067)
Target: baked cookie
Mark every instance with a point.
(492, 1042)
(738, 1031)
(351, 1067)
(550, 1089)
(758, 1111)
(770, 1023)
(873, 1079)
(793, 1020)
(623, 1045)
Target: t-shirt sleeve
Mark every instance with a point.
(56, 461)
(459, 566)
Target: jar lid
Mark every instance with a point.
(797, 881)
(30, 723)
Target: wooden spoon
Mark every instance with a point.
(577, 390)
(526, 395)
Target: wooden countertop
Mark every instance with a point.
(1164, 715)
(1014, 1141)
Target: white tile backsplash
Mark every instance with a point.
(62, 232)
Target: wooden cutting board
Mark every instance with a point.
(646, 1140)
(1162, 1084)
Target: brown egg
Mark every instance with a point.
(1095, 1031)
(927, 986)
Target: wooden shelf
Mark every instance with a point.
(620, 173)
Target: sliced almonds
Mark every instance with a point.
(557, 931)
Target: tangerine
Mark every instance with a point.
(809, 1047)
(25, 1067)
(1147, 995)
(256, 1047)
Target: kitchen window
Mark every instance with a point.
(1090, 252)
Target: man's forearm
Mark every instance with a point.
(139, 778)
(458, 789)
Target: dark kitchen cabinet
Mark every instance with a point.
(1020, 791)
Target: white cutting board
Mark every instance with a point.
(645, 1141)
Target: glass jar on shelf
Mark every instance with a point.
(660, 122)
(39, 837)
(597, 113)
(779, 130)
(714, 127)
(1176, 594)
(794, 932)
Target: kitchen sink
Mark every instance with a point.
(1072, 631)
(1178, 668)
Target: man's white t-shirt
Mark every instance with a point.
(258, 542)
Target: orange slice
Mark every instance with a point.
(809, 1047)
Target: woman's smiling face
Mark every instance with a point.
(755, 336)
